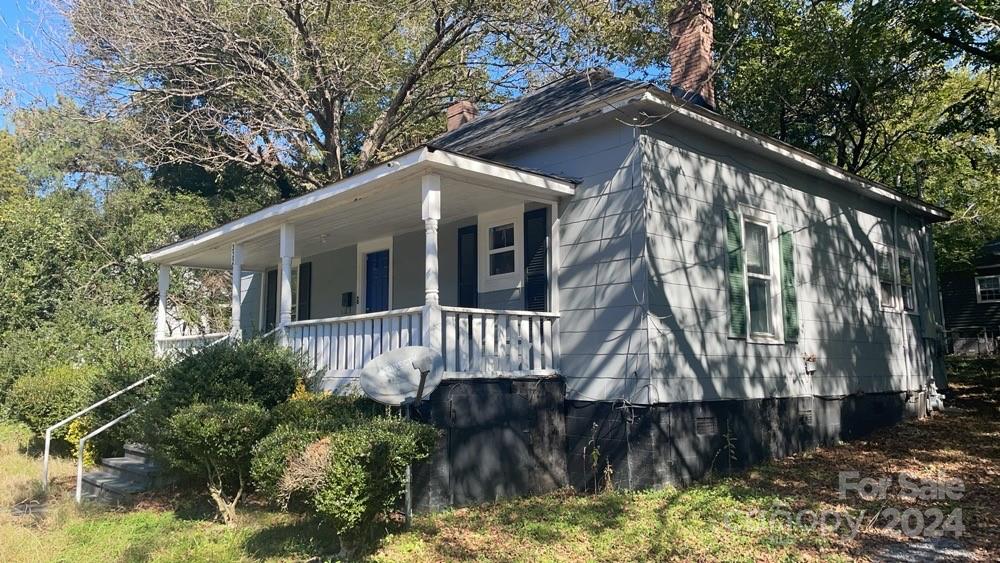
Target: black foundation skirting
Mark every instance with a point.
(505, 438)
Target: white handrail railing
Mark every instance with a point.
(82, 445)
(489, 342)
(78, 414)
(71, 418)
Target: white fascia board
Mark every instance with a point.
(421, 159)
(547, 185)
(802, 158)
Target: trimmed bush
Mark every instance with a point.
(272, 454)
(255, 371)
(356, 475)
(46, 398)
(324, 412)
(216, 441)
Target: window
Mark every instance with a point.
(502, 249)
(906, 293)
(758, 278)
(988, 289)
(763, 287)
(500, 238)
(886, 279)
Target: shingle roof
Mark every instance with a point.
(579, 89)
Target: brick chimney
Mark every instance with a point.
(460, 113)
(691, 30)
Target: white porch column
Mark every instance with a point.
(237, 293)
(431, 213)
(287, 247)
(554, 262)
(163, 282)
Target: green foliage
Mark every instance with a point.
(217, 438)
(255, 371)
(324, 412)
(12, 183)
(272, 454)
(46, 398)
(361, 470)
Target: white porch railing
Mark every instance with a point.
(170, 345)
(488, 342)
(348, 343)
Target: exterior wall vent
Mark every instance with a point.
(806, 417)
(706, 426)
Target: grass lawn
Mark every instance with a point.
(723, 520)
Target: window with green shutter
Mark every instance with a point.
(761, 271)
(789, 303)
(737, 292)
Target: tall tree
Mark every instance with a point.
(12, 182)
(307, 90)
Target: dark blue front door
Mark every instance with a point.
(377, 281)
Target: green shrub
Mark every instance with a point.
(357, 474)
(46, 398)
(216, 441)
(272, 454)
(255, 371)
(324, 412)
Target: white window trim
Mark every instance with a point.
(769, 220)
(979, 295)
(365, 248)
(485, 221)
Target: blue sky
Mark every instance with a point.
(21, 74)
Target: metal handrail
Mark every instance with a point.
(71, 418)
(48, 431)
(80, 450)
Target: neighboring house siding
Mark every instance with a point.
(602, 274)
(959, 301)
(692, 181)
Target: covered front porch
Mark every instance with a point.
(433, 248)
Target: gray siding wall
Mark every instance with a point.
(334, 273)
(408, 270)
(250, 302)
(691, 182)
(602, 274)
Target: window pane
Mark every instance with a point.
(888, 291)
(989, 288)
(502, 263)
(885, 266)
(757, 258)
(906, 282)
(502, 236)
(760, 318)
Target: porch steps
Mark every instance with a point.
(117, 480)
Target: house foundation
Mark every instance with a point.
(507, 438)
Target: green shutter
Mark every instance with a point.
(789, 303)
(737, 289)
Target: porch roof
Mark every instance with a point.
(380, 201)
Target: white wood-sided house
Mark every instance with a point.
(635, 246)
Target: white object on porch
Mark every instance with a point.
(169, 346)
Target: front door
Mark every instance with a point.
(468, 276)
(377, 281)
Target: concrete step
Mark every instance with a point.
(137, 451)
(139, 470)
(108, 487)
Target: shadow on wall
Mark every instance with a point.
(725, 403)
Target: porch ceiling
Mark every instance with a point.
(380, 202)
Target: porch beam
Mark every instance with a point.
(430, 207)
(237, 292)
(287, 252)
